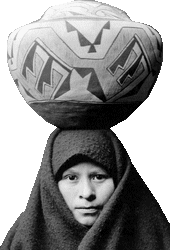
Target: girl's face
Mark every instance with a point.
(86, 188)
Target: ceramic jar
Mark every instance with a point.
(84, 64)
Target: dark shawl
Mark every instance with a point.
(131, 219)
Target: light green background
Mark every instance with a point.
(23, 134)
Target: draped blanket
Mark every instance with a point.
(131, 220)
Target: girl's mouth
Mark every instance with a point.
(89, 210)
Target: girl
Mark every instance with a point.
(88, 195)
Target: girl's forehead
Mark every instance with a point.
(84, 167)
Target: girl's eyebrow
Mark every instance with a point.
(95, 171)
(70, 170)
(98, 170)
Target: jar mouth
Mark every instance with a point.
(85, 9)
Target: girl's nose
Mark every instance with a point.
(86, 190)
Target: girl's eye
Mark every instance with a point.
(70, 177)
(99, 177)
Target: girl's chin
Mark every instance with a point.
(87, 219)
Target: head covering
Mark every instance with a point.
(131, 219)
(72, 147)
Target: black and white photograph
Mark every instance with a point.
(85, 125)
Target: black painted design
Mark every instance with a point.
(131, 72)
(29, 61)
(94, 86)
(99, 37)
(45, 76)
(11, 56)
(122, 58)
(135, 90)
(84, 41)
(75, 13)
(65, 87)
